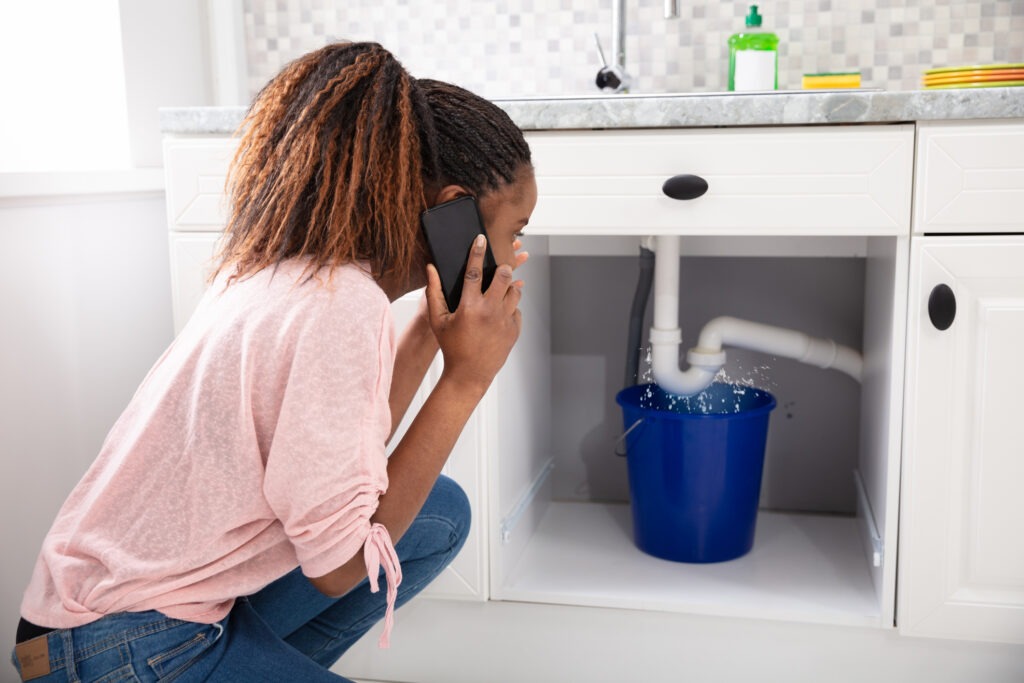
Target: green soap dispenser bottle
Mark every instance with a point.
(753, 57)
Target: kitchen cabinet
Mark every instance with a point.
(196, 171)
(962, 559)
(603, 188)
(812, 190)
(192, 255)
(827, 209)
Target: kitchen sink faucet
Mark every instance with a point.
(614, 76)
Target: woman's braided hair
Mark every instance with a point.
(336, 154)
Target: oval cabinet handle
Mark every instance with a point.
(685, 186)
(942, 307)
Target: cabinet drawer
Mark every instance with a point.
(971, 178)
(761, 181)
(196, 170)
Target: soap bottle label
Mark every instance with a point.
(755, 69)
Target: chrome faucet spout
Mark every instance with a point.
(613, 76)
(619, 33)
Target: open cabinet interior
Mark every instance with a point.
(558, 495)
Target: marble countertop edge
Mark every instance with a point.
(698, 110)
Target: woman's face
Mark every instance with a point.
(506, 212)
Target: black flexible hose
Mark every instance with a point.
(636, 315)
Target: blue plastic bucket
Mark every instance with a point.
(695, 469)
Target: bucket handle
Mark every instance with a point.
(620, 443)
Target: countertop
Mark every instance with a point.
(796, 107)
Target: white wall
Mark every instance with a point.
(165, 65)
(84, 312)
(85, 293)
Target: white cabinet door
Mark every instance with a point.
(466, 577)
(961, 572)
(191, 266)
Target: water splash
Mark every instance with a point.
(712, 401)
(647, 371)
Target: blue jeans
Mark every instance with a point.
(288, 631)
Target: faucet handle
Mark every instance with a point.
(607, 79)
(600, 52)
(612, 77)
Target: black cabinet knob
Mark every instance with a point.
(942, 307)
(685, 186)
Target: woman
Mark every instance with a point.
(237, 517)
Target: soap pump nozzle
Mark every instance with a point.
(753, 18)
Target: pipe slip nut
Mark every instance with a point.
(706, 358)
(665, 336)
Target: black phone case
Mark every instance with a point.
(450, 229)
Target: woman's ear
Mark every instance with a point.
(448, 193)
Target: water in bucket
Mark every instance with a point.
(695, 467)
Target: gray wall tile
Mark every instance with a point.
(515, 48)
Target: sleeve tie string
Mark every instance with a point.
(379, 551)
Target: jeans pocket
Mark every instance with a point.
(174, 661)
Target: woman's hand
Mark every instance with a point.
(476, 339)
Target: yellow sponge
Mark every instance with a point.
(842, 79)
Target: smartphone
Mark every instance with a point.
(450, 229)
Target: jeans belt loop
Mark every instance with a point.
(69, 655)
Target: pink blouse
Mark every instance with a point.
(254, 445)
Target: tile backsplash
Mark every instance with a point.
(525, 48)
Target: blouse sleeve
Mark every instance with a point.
(326, 465)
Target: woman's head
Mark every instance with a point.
(341, 152)
(481, 152)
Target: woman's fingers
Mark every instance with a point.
(521, 258)
(501, 284)
(513, 297)
(474, 268)
(504, 289)
(436, 305)
(477, 337)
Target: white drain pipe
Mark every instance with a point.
(707, 358)
(778, 341)
(665, 335)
